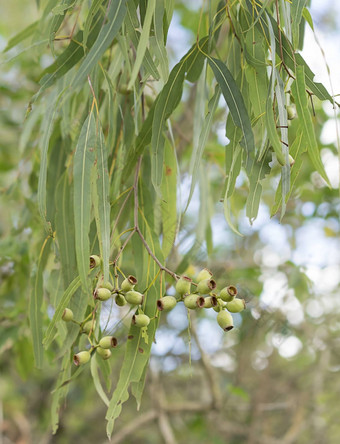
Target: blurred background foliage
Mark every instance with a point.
(273, 379)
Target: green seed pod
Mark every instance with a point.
(206, 286)
(107, 285)
(89, 326)
(140, 320)
(104, 353)
(67, 315)
(102, 294)
(166, 303)
(95, 261)
(108, 342)
(236, 306)
(129, 283)
(193, 301)
(227, 294)
(183, 285)
(120, 300)
(134, 297)
(225, 320)
(220, 305)
(210, 301)
(203, 275)
(291, 112)
(81, 358)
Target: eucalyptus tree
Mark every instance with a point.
(117, 119)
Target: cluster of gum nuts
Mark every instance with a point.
(225, 302)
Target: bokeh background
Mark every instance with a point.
(274, 378)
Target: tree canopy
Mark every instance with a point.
(135, 169)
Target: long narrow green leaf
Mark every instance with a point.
(46, 130)
(102, 202)
(235, 102)
(198, 150)
(65, 228)
(283, 121)
(297, 9)
(96, 380)
(260, 169)
(169, 199)
(21, 36)
(143, 41)
(63, 303)
(95, 6)
(84, 159)
(296, 150)
(59, 395)
(159, 46)
(35, 304)
(114, 19)
(305, 121)
(167, 101)
(132, 23)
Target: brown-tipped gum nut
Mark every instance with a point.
(129, 283)
(206, 286)
(94, 261)
(236, 306)
(166, 303)
(193, 301)
(210, 301)
(102, 294)
(104, 353)
(120, 300)
(134, 297)
(108, 342)
(227, 294)
(203, 275)
(81, 358)
(67, 315)
(140, 320)
(183, 285)
(225, 320)
(89, 326)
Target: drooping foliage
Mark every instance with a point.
(106, 111)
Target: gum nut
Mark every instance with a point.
(134, 297)
(183, 285)
(104, 353)
(88, 326)
(206, 286)
(140, 320)
(225, 320)
(128, 283)
(102, 294)
(166, 303)
(236, 306)
(193, 301)
(108, 342)
(120, 300)
(203, 275)
(210, 301)
(227, 294)
(67, 315)
(81, 358)
(94, 261)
